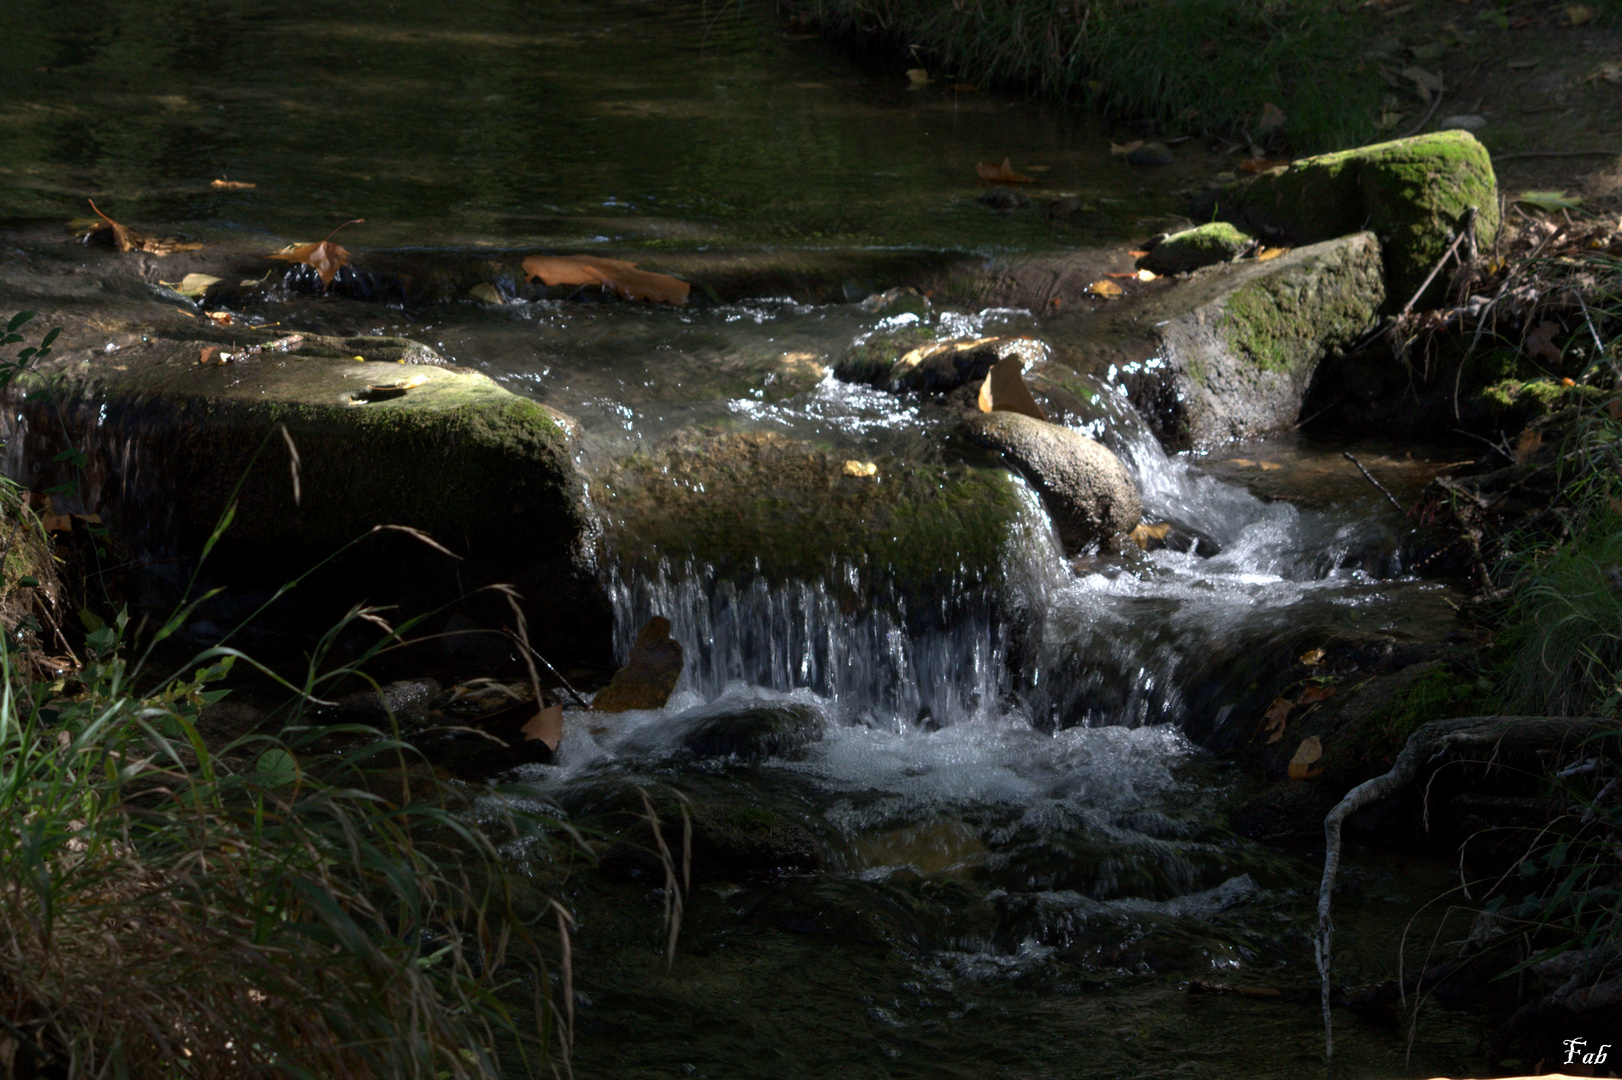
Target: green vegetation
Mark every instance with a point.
(1200, 65)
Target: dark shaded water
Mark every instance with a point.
(1027, 856)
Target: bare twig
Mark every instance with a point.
(1392, 499)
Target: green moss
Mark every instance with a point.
(1412, 193)
(1191, 249)
(756, 502)
(752, 819)
(1283, 320)
(870, 362)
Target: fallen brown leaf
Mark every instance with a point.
(546, 726)
(1304, 765)
(1313, 692)
(617, 274)
(1000, 174)
(1275, 717)
(231, 185)
(127, 239)
(326, 257)
(1004, 389)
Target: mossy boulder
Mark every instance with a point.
(761, 504)
(1191, 249)
(1236, 347)
(384, 435)
(1412, 193)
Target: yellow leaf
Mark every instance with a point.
(1269, 253)
(191, 284)
(1105, 288)
(1312, 657)
(917, 76)
(1004, 389)
(860, 468)
(1578, 14)
(1304, 765)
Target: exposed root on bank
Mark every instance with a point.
(1436, 739)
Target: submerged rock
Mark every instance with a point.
(1087, 491)
(1412, 193)
(753, 733)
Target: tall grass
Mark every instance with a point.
(1192, 65)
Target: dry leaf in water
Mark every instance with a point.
(546, 727)
(1275, 716)
(127, 239)
(326, 257)
(649, 674)
(1000, 174)
(1144, 534)
(1304, 765)
(1004, 389)
(192, 285)
(617, 274)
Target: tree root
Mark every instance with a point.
(1435, 739)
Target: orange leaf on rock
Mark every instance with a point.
(1000, 174)
(1304, 765)
(326, 257)
(546, 726)
(1313, 692)
(1105, 288)
(1275, 717)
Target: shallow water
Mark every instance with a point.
(1026, 855)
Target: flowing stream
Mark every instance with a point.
(1021, 850)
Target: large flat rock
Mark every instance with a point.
(172, 442)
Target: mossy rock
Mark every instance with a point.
(1238, 346)
(173, 444)
(758, 503)
(870, 361)
(1412, 193)
(1191, 249)
(754, 733)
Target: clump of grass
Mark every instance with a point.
(1195, 65)
(168, 908)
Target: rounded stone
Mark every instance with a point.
(1087, 492)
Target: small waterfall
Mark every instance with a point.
(889, 664)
